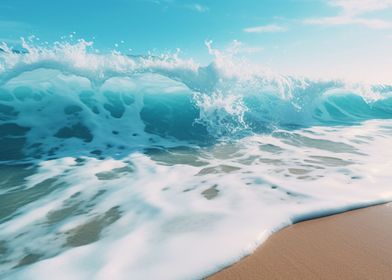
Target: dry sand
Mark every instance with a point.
(352, 245)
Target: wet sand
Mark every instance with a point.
(352, 245)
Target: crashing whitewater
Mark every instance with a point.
(117, 166)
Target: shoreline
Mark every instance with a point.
(356, 244)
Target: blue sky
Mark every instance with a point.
(322, 38)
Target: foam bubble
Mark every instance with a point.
(157, 167)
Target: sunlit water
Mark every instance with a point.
(118, 167)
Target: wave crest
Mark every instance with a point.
(73, 94)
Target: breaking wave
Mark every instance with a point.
(79, 96)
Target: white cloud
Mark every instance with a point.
(198, 8)
(352, 11)
(265, 28)
(355, 7)
(346, 20)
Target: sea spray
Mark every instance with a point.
(148, 167)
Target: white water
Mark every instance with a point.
(168, 227)
(175, 170)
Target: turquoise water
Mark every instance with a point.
(117, 166)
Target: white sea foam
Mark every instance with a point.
(182, 221)
(158, 168)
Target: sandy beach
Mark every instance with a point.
(352, 245)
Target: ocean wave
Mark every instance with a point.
(70, 94)
(151, 162)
